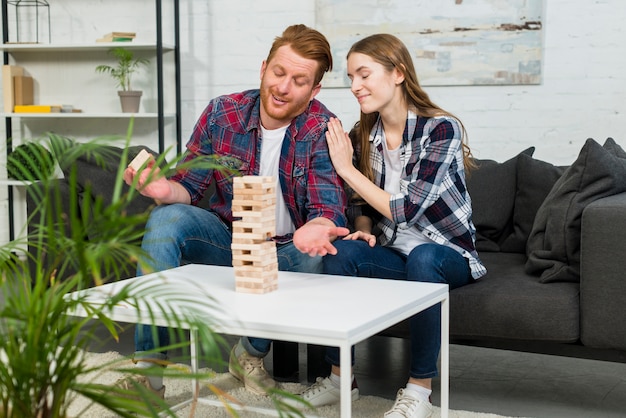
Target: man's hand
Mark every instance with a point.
(150, 183)
(314, 238)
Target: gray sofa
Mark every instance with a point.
(553, 240)
(558, 276)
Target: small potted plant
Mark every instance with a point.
(127, 64)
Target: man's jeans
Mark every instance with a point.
(181, 234)
(426, 263)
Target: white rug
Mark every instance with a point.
(179, 390)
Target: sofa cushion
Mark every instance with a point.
(508, 303)
(492, 189)
(98, 171)
(554, 242)
(613, 147)
(535, 179)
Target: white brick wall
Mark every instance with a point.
(223, 43)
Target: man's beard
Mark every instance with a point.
(283, 114)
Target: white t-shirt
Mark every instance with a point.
(406, 239)
(271, 143)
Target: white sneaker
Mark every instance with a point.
(409, 405)
(322, 393)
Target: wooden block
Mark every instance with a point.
(267, 246)
(250, 261)
(253, 222)
(24, 91)
(253, 181)
(258, 270)
(252, 205)
(256, 200)
(255, 284)
(254, 254)
(254, 230)
(262, 215)
(256, 275)
(240, 190)
(140, 159)
(254, 236)
(256, 290)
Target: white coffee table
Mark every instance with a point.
(307, 308)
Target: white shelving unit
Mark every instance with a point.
(64, 73)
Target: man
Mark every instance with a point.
(277, 130)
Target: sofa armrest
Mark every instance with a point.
(603, 273)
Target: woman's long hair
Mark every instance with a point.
(391, 53)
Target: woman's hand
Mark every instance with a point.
(339, 147)
(363, 236)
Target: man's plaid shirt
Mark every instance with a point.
(230, 129)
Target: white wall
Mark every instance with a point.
(583, 93)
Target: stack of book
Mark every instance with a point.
(38, 108)
(117, 37)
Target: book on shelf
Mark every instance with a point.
(23, 89)
(8, 85)
(38, 109)
(117, 37)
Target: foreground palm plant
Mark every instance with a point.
(42, 349)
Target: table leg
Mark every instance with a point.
(445, 356)
(345, 359)
(193, 351)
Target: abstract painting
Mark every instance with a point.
(452, 42)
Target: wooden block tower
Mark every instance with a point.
(254, 255)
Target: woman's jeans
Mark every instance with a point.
(426, 263)
(181, 234)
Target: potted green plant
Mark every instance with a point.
(127, 65)
(43, 350)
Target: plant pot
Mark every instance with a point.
(130, 101)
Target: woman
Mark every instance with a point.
(414, 220)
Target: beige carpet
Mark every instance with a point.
(179, 390)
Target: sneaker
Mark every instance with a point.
(131, 382)
(251, 372)
(409, 405)
(322, 392)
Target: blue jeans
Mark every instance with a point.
(426, 263)
(181, 234)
